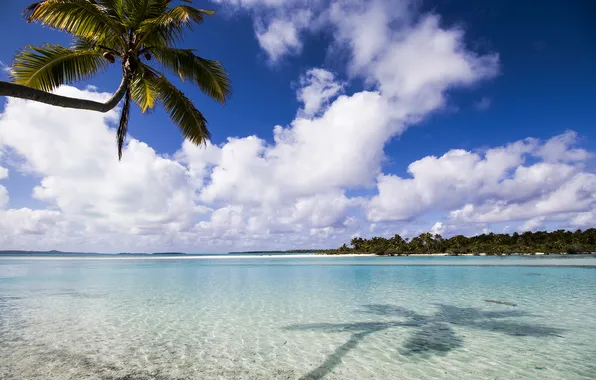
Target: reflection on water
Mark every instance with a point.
(180, 319)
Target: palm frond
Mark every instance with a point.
(141, 10)
(210, 76)
(115, 8)
(49, 66)
(142, 88)
(80, 43)
(167, 28)
(123, 124)
(81, 18)
(136, 12)
(182, 111)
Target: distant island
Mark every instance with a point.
(527, 243)
(155, 253)
(54, 252)
(540, 242)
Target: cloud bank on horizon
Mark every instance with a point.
(298, 191)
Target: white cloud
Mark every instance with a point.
(150, 202)
(279, 25)
(411, 59)
(27, 222)
(341, 146)
(308, 157)
(496, 186)
(3, 191)
(441, 181)
(572, 196)
(280, 37)
(73, 152)
(531, 224)
(438, 228)
(318, 87)
(3, 197)
(254, 3)
(558, 149)
(584, 219)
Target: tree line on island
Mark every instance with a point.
(560, 241)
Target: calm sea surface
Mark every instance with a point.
(298, 318)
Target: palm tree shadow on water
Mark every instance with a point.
(432, 334)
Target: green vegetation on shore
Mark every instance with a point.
(330, 251)
(559, 241)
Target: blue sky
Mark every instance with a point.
(519, 71)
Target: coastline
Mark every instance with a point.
(464, 254)
(244, 256)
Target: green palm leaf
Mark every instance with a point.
(142, 89)
(47, 67)
(182, 111)
(115, 8)
(209, 75)
(83, 44)
(136, 12)
(167, 28)
(141, 10)
(81, 18)
(123, 124)
(80, 43)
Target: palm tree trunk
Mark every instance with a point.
(24, 92)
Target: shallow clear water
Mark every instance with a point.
(287, 318)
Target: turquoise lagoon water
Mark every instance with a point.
(289, 318)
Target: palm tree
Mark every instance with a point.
(427, 239)
(132, 32)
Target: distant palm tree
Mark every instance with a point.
(133, 32)
(427, 240)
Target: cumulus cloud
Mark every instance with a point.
(148, 200)
(531, 224)
(280, 36)
(107, 212)
(517, 182)
(558, 149)
(80, 173)
(494, 186)
(410, 57)
(438, 228)
(15, 223)
(3, 192)
(410, 66)
(571, 196)
(3, 197)
(442, 181)
(317, 88)
(254, 3)
(72, 152)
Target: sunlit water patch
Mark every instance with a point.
(283, 318)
